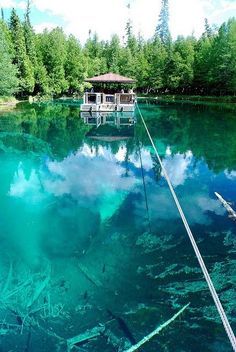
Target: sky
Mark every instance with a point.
(107, 17)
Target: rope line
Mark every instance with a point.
(144, 186)
(212, 289)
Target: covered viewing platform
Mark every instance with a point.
(109, 93)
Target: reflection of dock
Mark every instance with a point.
(118, 119)
(109, 126)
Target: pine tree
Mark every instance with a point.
(29, 37)
(7, 35)
(202, 65)
(74, 65)
(53, 48)
(8, 72)
(208, 30)
(41, 75)
(222, 72)
(162, 29)
(157, 58)
(131, 41)
(113, 52)
(21, 59)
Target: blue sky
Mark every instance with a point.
(107, 17)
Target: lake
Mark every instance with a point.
(91, 240)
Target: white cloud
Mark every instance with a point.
(230, 174)
(94, 178)
(186, 16)
(121, 154)
(29, 188)
(39, 28)
(168, 151)
(108, 17)
(177, 167)
(147, 162)
(197, 206)
(104, 17)
(103, 175)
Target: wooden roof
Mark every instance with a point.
(110, 78)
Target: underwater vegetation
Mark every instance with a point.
(91, 260)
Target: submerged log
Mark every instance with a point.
(232, 213)
(95, 281)
(84, 337)
(156, 331)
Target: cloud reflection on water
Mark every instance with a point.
(93, 177)
(97, 178)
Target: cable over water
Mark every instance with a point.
(212, 289)
(144, 186)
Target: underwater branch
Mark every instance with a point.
(156, 331)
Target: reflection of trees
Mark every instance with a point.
(58, 125)
(209, 132)
(156, 168)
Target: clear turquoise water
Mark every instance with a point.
(79, 239)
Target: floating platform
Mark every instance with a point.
(110, 94)
(96, 102)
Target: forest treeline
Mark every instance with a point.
(51, 63)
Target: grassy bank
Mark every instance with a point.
(194, 98)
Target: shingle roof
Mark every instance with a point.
(110, 78)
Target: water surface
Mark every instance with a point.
(88, 235)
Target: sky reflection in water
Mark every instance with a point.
(72, 202)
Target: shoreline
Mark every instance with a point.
(193, 98)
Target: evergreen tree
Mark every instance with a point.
(74, 65)
(21, 59)
(41, 76)
(208, 30)
(8, 72)
(126, 62)
(54, 51)
(7, 35)
(131, 42)
(232, 48)
(183, 63)
(95, 56)
(113, 50)
(222, 73)
(30, 37)
(141, 72)
(162, 29)
(157, 57)
(53, 63)
(202, 65)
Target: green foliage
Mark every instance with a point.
(51, 63)
(180, 73)
(21, 59)
(75, 64)
(8, 72)
(54, 52)
(162, 30)
(222, 74)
